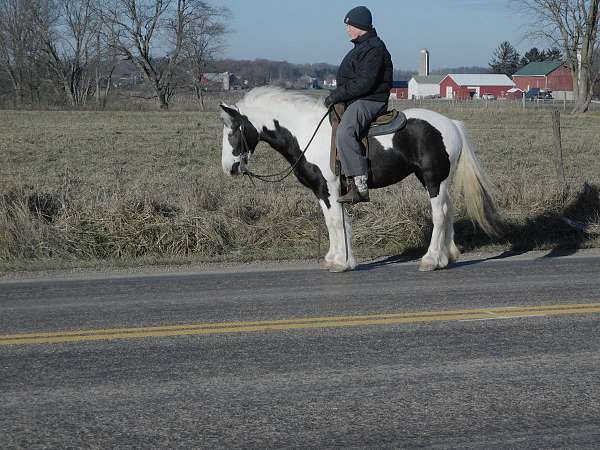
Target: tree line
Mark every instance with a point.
(69, 49)
(507, 60)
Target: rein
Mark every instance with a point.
(271, 177)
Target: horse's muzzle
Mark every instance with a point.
(239, 168)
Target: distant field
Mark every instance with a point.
(89, 188)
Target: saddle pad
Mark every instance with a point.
(386, 118)
(392, 121)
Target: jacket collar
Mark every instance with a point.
(365, 37)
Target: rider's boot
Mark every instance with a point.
(358, 190)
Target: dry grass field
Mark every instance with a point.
(93, 188)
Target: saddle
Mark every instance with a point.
(386, 123)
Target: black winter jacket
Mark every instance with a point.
(366, 71)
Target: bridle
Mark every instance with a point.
(281, 175)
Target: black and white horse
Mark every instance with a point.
(433, 147)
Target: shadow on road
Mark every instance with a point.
(546, 230)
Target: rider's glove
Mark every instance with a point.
(330, 100)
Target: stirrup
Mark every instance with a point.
(354, 196)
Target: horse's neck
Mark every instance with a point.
(282, 141)
(284, 133)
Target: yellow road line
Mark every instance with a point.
(297, 324)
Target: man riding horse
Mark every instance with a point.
(364, 81)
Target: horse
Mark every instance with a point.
(432, 146)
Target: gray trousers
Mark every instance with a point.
(354, 125)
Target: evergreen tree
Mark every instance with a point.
(554, 54)
(533, 55)
(505, 59)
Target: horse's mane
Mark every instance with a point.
(263, 104)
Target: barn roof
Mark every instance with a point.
(538, 69)
(399, 84)
(481, 79)
(429, 79)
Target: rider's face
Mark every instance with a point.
(354, 32)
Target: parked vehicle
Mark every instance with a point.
(538, 94)
(488, 97)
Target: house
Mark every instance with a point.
(549, 76)
(424, 86)
(216, 81)
(330, 82)
(467, 86)
(306, 82)
(400, 90)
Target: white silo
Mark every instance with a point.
(424, 63)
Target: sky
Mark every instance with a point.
(456, 32)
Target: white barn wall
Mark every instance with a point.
(420, 90)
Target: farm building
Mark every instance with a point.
(549, 75)
(424, 86)
(217, 81)
(400, 89)
(514, 94)
(466, 86)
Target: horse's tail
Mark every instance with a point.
(476, 187)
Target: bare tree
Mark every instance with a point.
(204, 41)
(152, 34)
(18, 51)
(106, 55)
(66, 30)
(573, 26)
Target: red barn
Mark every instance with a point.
(400, 89)
(467, 86)
(549, 76)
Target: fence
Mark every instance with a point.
(503, 105)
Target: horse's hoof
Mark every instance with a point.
(324, 264)
(454, 254)
(338, 268)
(427, 267)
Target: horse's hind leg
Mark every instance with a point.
(442, 249)
(453, 251)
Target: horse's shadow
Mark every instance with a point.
(546, 230)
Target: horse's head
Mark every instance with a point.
(240, 138)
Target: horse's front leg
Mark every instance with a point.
(339, 258)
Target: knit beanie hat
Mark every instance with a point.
(360, 17)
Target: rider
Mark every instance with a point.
(364, 81)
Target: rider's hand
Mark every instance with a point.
(329, 101)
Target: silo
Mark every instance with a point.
(424, 63)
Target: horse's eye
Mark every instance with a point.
(234, 141)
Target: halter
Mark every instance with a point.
(271, 177)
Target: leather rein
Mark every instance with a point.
(276, 177)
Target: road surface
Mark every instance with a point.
(493, 353)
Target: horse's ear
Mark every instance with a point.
(266, 134)
(229, 115)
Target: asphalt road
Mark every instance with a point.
(434, 372)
